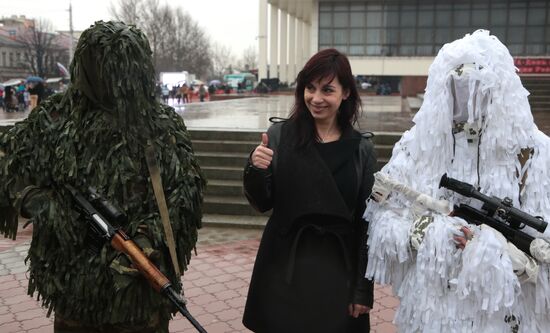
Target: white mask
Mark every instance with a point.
(469, 103)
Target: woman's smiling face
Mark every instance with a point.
(323, 98)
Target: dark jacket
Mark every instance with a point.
(312, 257)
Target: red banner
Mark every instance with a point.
(533, 65)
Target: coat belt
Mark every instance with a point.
(321, 231)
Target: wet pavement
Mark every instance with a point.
(379, 114)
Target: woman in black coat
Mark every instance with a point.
(315, 171)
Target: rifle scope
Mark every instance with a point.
(501, 207)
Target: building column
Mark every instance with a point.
(314, 28)
(283, 48)
(299, 44)
(291, 49)
(307, 47)
(262, 41)
(273, 43)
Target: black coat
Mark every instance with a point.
(312, 258)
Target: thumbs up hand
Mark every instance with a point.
(262, 155)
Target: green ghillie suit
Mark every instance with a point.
(95, 134)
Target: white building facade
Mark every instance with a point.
(395, 38)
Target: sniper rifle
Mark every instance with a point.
(99, 211)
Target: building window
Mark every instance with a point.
(421, 28)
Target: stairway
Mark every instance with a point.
(539, 89)
(222, 156)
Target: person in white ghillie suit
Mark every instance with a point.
(475, 125)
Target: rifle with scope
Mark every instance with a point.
(496, 213)
(99, 212)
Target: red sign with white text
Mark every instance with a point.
(533, 65)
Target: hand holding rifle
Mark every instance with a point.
(496, 213)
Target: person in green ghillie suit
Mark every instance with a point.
(95, 134)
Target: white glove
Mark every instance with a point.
(540, 250)
(525, 267)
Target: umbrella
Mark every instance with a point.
(34, 79)
(12, 82)
(215, 83)
(63, 70)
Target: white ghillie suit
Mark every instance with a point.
(474, 124)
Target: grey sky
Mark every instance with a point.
(233, 23)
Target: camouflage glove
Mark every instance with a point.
(32, 201)
(122, 269)
(418, 230)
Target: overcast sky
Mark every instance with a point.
(233, 23)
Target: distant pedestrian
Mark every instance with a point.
(178, 94)
(165, 94)
(202, 92)
(190, 93)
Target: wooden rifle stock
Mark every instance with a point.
(122, 243)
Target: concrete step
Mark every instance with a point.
(204, 146)
(538, 91)
(224, 187)
(216, 164)
(231, 146)
(222, 159)
(241, 221)
(228, 205)
(222, 135)
(381, 161)
(539, 100)
(221, 172)
(386, 138)
(383, 151)
(534, 79)
(253, 138)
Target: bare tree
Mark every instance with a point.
(128, 11)
(37, 41)
(177, 41)
(222, 60)
(249, 59)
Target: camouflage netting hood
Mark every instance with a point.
(95, 135)
(112, 70)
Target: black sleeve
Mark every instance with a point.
(257, 182)
(257, 187)
(364, 288)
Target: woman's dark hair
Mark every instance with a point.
(328, 63)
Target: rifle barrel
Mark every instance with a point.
(504, 210)
(180, 304)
